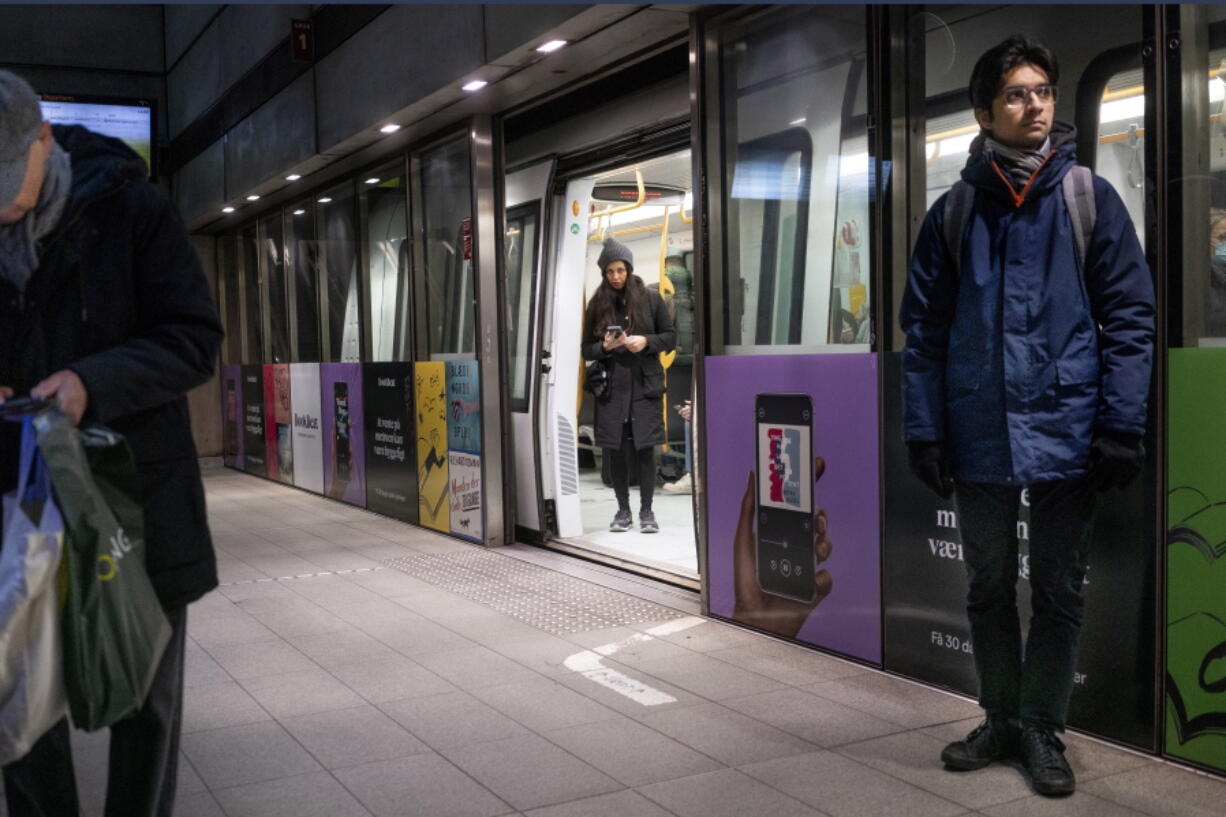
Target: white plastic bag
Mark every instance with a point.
(32, 697)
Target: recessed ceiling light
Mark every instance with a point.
(299, 212)
(325, 200)
(475, 85)
(293, 177)
(227, 209)
(389, 128)
(373, 180)
(551, 46)
(253, 197)
(800, 121)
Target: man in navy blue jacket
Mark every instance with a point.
(1027, 366)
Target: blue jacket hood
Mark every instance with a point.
(980, 173)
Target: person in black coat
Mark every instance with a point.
(104, 306)
(627, 326)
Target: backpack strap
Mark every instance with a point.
(1078, 186)
(958, 203)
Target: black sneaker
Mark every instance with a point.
(1043, 757)
(990, 741)
(621, 522)
(647, 522)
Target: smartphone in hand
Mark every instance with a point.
(786, 558)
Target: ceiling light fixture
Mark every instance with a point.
(253, 197)
(389, 128)
(475, 85)
(325, 200)
(551, 46)
(373, 180)
(299, 212)
(227, 209)
(293, 177)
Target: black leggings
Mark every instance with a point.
(619, 469)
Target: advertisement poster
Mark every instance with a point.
(308, 441)
(278, 431)
(340, 399)
(1195, 687)
(430, 395)
(924, 579)
(391, 440)
(792, 506)
(464, 494)
(463, 407)
(254, 443)
(231, 416)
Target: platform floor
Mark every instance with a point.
(350, 665)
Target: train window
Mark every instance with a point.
(272, 267)
(229, 291)
(520, 244)
(252, 309)
(384, 201)
(1120, 154)
(1204, 238)
(443, 204)
(795, 187)
(302, 260)
(336, 229)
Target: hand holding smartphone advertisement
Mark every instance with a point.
(342, 453)
(776, 567)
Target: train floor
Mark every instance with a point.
(673, 548)
(350, 666)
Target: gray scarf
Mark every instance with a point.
(19, 242)
(1019, 163)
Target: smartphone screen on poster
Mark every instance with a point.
(340, 396)
(786, 558)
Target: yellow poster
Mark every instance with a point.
(431, 397)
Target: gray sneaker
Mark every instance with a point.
(647, 522)
(621, 522)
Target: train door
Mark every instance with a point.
(646, 206)
(526, 199)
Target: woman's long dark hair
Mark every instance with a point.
(608, 306)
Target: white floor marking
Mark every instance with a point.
(587, 663)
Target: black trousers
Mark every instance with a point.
(644, 460)
(144, 753)
(1033, 684)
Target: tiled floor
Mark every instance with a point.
(324, 682)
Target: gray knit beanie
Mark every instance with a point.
(614, 250)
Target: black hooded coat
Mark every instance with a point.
(119, 297)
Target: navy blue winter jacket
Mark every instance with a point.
(1018, 358)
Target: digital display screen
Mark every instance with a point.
(784, 479)
(129, 122)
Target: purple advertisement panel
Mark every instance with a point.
(340, 400)
(792, 497)
(231, 416)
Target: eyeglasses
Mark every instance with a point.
(1015, 96)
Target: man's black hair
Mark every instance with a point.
(1001, 59)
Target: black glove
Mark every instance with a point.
(1115, 459)
(927, 461)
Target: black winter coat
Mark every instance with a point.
(637, 379)
(119, 298)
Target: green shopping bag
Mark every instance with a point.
(113, 626)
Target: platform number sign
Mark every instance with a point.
(302, 40)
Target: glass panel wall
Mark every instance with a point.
(336, 228)
(302, 259)
(383, 204)
(272, 262)
(796, 181)
(520, 244)
(443, 216)
(229, 274)
(252, 307)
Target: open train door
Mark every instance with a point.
(527, 222)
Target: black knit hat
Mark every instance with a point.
(614, 250)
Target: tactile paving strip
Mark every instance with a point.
(548, 600)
